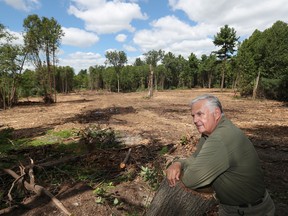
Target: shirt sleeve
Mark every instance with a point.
(211, 161)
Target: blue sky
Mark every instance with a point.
(93, 27)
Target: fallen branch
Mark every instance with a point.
(8, 210)
(123, 163)
(38, 190)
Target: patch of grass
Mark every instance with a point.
(51, 137)
(164, 150)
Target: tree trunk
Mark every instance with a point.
(150, 82)
(256, 86)
(209, 80)
(118, 82)
(179, 201)
(222, 79)
(223, 74)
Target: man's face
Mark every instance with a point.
(205, 119)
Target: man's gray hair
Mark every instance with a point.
(212, 101)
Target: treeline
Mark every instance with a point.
(257, 67)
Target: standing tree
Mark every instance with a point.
(227, 40)
(11, 65)
(194, 67)
(207, 69)
(43, 36)
(118, 60)
(152, 58)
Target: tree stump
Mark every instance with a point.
(178, 200)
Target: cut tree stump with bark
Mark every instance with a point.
(180, 201)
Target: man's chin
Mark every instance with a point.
(200, 130)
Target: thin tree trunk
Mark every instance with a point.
(223, 74)
(256, 86)
(222, 80)
(150, 82)
(209, 80)
(179, 201)
(118, 81)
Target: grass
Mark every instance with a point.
(52, 137)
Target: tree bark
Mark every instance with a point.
(256, 86)
(150, 82)
(178, 200)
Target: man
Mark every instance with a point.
(225, 160)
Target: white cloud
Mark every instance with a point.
(18, 37)
(78, 37)
(23, 5)
(82, 60)
(106, 16)
(129, 48)
(171, 34)
(121, 37)
(244, 16)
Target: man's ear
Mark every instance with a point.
(217, 113)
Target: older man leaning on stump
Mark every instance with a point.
(225, 160)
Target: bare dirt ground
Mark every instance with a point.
(161, 120)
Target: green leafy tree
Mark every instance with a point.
(185, 73)
(43, 36)
(96, 77)
(11, 65)
(170, 63)
(81, 80)
(263, 63)
(118, 59)
(64, 79)
(194, 68)
(29, 85)
(152, 58)
(227, 40)
(207, 69)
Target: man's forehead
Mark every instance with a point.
(198, 106)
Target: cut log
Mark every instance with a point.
(178, 200)
(123, 163)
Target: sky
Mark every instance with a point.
(93, 27)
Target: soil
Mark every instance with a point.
(163, 120)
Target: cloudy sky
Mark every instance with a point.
(93, 27)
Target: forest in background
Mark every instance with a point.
(256, 67)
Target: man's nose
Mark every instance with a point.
(194, 119)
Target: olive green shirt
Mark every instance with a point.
(227, 161)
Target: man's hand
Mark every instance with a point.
(173, 173)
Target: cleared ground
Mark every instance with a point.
(162, 120)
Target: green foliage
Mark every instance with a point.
(102, 195)
(96, 137)
(118, 59)
(184, 140)
(51, 137)
(42, 35)
(151, 176)
(6, 143)
(269, 62)
(227, 40)
(170, 71)
(271, 88)
(163, 150)
(6, 134)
